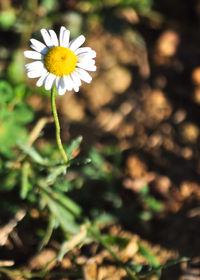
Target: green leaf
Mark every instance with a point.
(157, 269)
(176, 261)
(68, 203)
(144, 215)
(23, 114)
(97, 159)
(144, 190)
(72, 243)
(33, 154)
(57, 171)
(144, 251)
(153, 203)
(48, 233)
(122, 242)
(48, 4)
(10, 180)
(7, 18)
(105, 219)
(6, 92)
(62, 215)
(1, 164)
(16, 71)
(20, 91)
(10, 133)
(97, 169)
(139, 5)
(78, 162)
(25, 184)
(135, 267)
(73, 146)
(63, 185)
(92, 173)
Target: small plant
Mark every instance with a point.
(41, 175)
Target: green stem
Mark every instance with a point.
(95, 233)
(57, 124)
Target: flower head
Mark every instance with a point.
(60, 61)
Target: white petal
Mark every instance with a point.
(87, 55)
(76, 43)
(76, 78)
(74, 84)
(87, 66)
(61, 86)
(38, 46)
(85, 61)
(62, 82)
(76, 88)
(57, 81)
(83, 75)
(66, 36)
(44, 51)
(54, 38)
(49, 82)
(82, 50)
(61, 35)
(41, 80)
(92, 53)
(33, 55)
(35, 74)
(61, 91)
(34, 65)
(68, 83)
(46, 37)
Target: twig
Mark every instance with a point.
(37, 129)
(6, 263)
(6, 230)
(32, 138)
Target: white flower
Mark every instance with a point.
(60, 61)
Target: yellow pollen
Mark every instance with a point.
(60, 61)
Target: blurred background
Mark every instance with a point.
(139, 119)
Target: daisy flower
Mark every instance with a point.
(59, 61)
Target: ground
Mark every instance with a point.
(144, 100)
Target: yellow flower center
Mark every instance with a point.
(60, 61)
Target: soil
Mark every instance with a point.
(145, 99)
